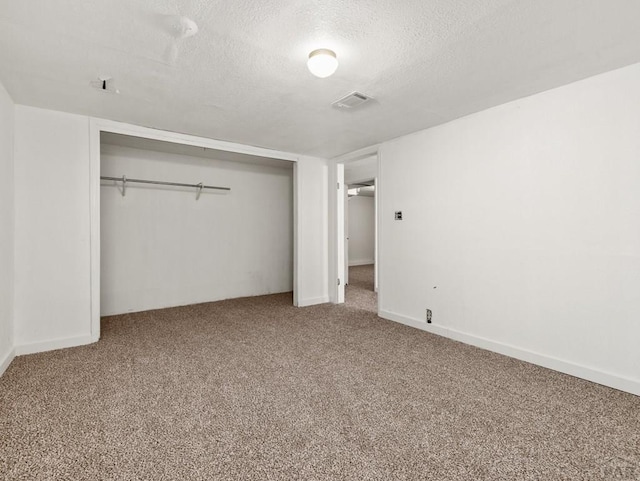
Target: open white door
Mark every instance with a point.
(346, 236)
(340, 234)
(375, 241)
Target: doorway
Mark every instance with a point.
(360, 234)
(356, 269)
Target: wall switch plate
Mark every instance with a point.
(398, 215)
(428, 316)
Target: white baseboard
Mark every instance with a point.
(361, 262)
(600, 377)
(52, 345)
(312, 301)
(4, 363)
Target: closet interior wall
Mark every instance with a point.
(161, 246)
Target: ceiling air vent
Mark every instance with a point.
(354, 99)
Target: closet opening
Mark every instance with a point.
(184, 224)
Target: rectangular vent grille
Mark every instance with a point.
(354, 99)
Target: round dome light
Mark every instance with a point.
(322, 62)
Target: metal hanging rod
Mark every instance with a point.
(125, 181)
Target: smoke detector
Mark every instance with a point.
(184, 27)
(353, 100)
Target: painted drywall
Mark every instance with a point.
(521, 230)
(361, 233)
(310, 201)
(161, 247)
(6, 228)
(52, 284)
(361, 170)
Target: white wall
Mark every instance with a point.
(6, 229)
(311, 203)
(361, 230)
(527, 219)
(160, 247)
(361, 169)
(52, 284)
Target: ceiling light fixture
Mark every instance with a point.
(322, 62)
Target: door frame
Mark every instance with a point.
(97, 126)
(336, 221)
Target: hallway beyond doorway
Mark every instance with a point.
(360, 292)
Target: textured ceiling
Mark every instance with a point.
(243, 78)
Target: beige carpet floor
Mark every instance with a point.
(255, 389)
(359, 292)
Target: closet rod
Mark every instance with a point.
(125, 180)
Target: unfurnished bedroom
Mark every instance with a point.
(319, 240)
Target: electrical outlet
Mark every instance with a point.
(428, 316)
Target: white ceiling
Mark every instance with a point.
(243, 78)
